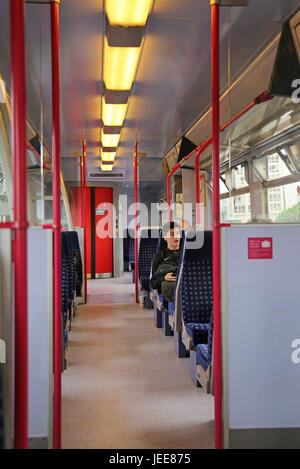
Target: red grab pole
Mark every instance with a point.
(81, 191)
(17, 31)
(215, 48)
(56, 222)
(177, 166)
(202, 148)
(135, 223)
(84, 218)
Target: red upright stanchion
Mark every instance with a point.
(57, 320)
(215, 25)
(84, 218)
(135, 223)
(81, 191)
(17, 30)
(202, 148)
(169, 188)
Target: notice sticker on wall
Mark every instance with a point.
(260, 248)
(100, 211)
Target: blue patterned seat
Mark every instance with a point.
(171, 308)
(204, 351)
(65, 284)
(64, 274)
(147, 249)
(196, 289)
(197, 332)
(162, 244)
(131, 253)
(77, 262)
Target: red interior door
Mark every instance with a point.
(103, 231)
(88, 231)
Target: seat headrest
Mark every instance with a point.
(198, 245)
(66, 243)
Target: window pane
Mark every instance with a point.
(5, 211)
(284, 203)
(236, 209)
(223, 188)
(239, 177)
(270, 167)
(295, 154)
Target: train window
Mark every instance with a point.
(239, 177)
(223, 188)
(270, 167)
(284, 203)
(39, 194)
(294, 153)
(236, 209)
(6, 185)
(5, 211)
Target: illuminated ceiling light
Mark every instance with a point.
(128, 12)
(108, 156)
(120, 64)
(106, 167)
(113, 114)
(109, 140)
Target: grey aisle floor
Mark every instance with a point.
(124, 386)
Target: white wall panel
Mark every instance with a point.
(261, 319)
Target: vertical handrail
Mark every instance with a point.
(56, 222)
(202, 148)
(215, 74)
(81, 191)
(84, 218)
(18, 77)
(135, 224)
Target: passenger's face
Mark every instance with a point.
(173, 239)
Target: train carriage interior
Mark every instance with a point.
(149, 225)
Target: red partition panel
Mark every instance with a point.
(104, 230)
(88, 230)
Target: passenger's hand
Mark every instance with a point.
(170, 277)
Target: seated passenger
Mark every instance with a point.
(165, 263)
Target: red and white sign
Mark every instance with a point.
(260, 248)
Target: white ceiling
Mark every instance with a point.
(172, 86)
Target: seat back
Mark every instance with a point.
(77, 261)
(210, 337)
(131, 253)
(147, 249)
(162, 244)
(177, 325)
(126, 248)
(196, 282)
(64, 273)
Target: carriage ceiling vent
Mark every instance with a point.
(108, 175)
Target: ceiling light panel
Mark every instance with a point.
(128, 12)
(109, 140)
(108, 156)
(120, 65)
(113, 114)
(106, 167)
